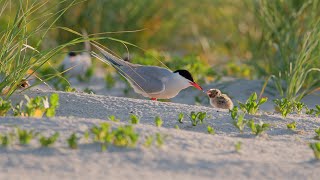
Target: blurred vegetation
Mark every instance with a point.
(212, 38)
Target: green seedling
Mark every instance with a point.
(251, 106)
(5, 140)
(316, 111)
(86, 135)
(240, 122)
(197, 118)
(54, 104)
(5, 106)
(158, 121)
(149, 141)
(284, 106)
(234, 112)
(70, 89)
(317, 131)
(73, 141)
(125, 136)
(316, 149)
(258, 129)
(110, 81)
(292, 126)
(238, 146)
(181, 116)
(211, 130)
(134, 119)
(25, 136)
(88, 91)
(299, 106)
(113, 118)
(102, 135)
(176, 126)
(160, 139)
(18, 109)
(48, 141)
(38, 106)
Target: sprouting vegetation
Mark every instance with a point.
(49, 141)
(197, 118)
(315, 111)
(251, 106)
(292, 125)
(37, 106)
(316, 149)
(237, 146)
(317, 131)
(5, 106)
(239, 122)
(25, 136)
(134, 119)
(211, 130)
(258, 128)
(158, 121)
(180, 118)
(113, 118)
(73, 141)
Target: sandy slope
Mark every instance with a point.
(188, 153)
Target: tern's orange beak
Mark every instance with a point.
(196, 86)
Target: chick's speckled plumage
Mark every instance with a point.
(219, 100)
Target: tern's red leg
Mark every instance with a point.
(153, 99)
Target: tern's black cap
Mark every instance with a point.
(72, 54)
(186, 74)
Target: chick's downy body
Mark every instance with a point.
(219, 100)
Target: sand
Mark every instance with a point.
(188, 153)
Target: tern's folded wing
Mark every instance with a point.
(148, 79)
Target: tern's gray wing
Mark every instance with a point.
(148, 79)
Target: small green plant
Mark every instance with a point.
(292, 126)
(5, 140)
(86, 135)
(48, 141)
(317, 131)
(180, 118)
(240, 122)
(70, 89)
(284, 106)
(38, 106)
(113, 118)
(258, 129)
(102, 135)
(234, 112)
(158, 121)
(25, 136)
(299, 106)
(211, 130)
(238, 146)
(316, 149)
(125, 136)
(160, 139)
(176, 126)
(134, 119)
(148, 142)
(54, 104)
(316, 111)
(110, 81)
(251, 106)
(88, 91)
(197, 118)
(5, 106)
(73, 141)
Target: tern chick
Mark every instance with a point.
(219, 100)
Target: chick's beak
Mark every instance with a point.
(196, 86)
